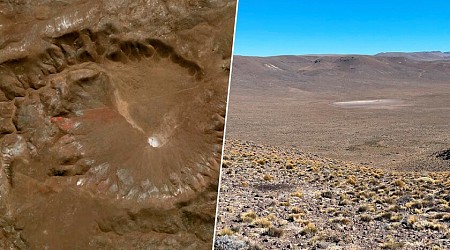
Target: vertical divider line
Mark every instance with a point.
(225, 124)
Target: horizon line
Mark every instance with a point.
(349, 54)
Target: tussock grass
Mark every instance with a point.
(340, 199)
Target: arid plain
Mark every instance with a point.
(389, 110)
(337, 152)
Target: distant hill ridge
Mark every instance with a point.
(423, 56)
(381, 70)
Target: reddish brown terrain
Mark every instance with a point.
(111, 122)
(385, 110)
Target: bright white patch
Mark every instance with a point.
(372, 104)
(154, 142)
(81, 182)
(367, 102)
(271, 66)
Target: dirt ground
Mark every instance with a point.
(111, 122)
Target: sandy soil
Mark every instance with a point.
(111, 122)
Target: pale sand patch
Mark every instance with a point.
(122, 108)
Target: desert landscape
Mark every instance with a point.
(385, 110)
(111, 122)
(337, 152)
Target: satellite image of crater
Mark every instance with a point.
(111, 122)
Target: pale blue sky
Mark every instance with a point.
(341, 27)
